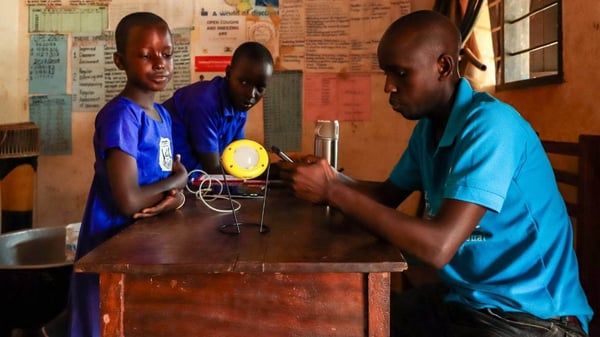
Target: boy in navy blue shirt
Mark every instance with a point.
(208, 115)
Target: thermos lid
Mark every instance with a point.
(327, 129)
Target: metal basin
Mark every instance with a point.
(34, 277)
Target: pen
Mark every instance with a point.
(281, 154)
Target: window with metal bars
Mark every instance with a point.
(527, 40)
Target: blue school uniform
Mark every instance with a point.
(520, 258)
(124, 125)
(204, 120)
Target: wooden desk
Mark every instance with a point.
(314, 274)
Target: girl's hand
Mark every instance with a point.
(179, 172)
(174, 199)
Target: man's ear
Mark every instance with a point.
(118, 60)
(446, 64)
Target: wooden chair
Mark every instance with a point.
(583, 207)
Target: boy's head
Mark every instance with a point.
(138, 19)
(419, 54)
(144, 50)
(248, 74)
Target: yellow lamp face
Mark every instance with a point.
(245, 159)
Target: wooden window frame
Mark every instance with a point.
(499, 49)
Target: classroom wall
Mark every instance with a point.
(63, 181)
(367, 149)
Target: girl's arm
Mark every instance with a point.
(173, 199)
(129, 196)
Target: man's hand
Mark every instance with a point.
(309, 177)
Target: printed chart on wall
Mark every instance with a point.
(52, 114)
(283, 111)
(47, 64)
(225, 24)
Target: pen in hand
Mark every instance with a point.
(281, 154)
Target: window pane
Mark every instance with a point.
(537, 4)
(544, 26)
(544, 30)
(531, 45)
(516, 38)
(544, 62)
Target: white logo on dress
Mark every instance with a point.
(165, 157)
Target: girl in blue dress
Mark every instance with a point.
(136, 174)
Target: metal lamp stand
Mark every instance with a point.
(234, 228)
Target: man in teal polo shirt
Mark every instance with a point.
(496, 227)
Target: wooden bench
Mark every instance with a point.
(577, 170)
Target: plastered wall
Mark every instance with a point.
(14, 46)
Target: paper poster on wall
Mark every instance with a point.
(95, 77)
(224, 24)
(82, 19)
(221, 35)
(332, 96)
(368, 21)
(238, 7)
(211, 63)
(87, 68)
(292, 32)
(263, 30)
(334, 36)
(400, 8)
(178, 14)
(327, 36)
(265, 7)
(48, 64)
(70, 3)
(53, 3)
(52, 114)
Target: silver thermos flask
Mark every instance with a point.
(327, 134)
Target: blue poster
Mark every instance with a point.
(52, 114)
(48, 64)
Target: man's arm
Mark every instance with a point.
(384, 192)
(434, 241)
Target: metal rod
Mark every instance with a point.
(262, 213)
(530, 14)
(536, 48)
(237, 224)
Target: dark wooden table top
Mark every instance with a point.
(303, 238)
